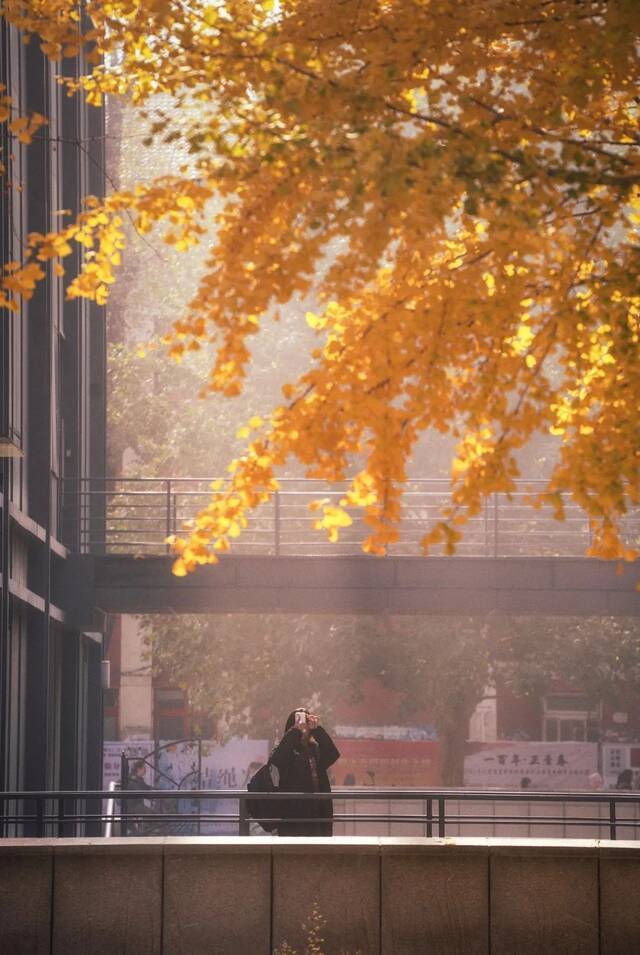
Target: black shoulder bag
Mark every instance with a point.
(265, 780)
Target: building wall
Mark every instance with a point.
(140, 704)
(52, 436)
(523, 717)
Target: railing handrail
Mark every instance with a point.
(145, 511)
(353, 792)
(345, 481)
(62, 818)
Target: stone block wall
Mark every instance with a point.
(384, 896)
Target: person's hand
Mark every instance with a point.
(302, 728)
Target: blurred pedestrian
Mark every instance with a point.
(135, 807)
(625, 779)
(596, 782)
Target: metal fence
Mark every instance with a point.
(428, 812)
(142, 512)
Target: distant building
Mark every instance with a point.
(563, 714)
(140, 704)
(52, 438)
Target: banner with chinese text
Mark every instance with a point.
(192, 764)
(406, 764)
(543, 766)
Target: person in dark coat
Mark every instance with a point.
(625, 779)
(302, 758)
(137, 806)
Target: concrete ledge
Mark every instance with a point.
(107, 898)
(434, 901)
(341, 881)
(25, 898)
(619, 898)
(216, 898)
(377, 896)
(544, 899)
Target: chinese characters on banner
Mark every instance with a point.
(180, 766)
(547, 766)
(226, 766)
(405, 733)
(387, 763)
(134, 749)
(616, 757)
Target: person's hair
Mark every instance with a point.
(625, 779)
(291, 718)
(139, 764)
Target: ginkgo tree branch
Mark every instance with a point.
(429, 175)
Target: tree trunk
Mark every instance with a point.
(453, 734)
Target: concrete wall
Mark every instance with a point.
(227, 896)
(398, 585)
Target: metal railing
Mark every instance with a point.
(110, 810)
(436, 812)
(140, 513)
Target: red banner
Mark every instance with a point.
(387, 763)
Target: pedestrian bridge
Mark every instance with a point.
(513, 559)
(375, 896)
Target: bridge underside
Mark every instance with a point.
(350, 585)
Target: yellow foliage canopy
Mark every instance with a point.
(470, 171)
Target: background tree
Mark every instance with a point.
(445, 665)
(599, 657)
(457, 185)
(441, 666)
(247, 673)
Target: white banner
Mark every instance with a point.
(111, 758)
(191, 765)
(618, 757)
(541, 766)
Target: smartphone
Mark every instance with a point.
(301, 718)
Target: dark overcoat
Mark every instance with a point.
(291, 759)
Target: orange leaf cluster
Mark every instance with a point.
(457, 185)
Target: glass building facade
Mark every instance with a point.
(52, 443)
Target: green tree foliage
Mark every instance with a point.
(249, 672)
(445, 665)
(598, 656)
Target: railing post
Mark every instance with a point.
(82, 497)
(276, 523)
(124, 782)
(60, 817)
(487, 549)
(168, 515)
(40, 817)
(495, 525)
(612, 819)
(243, 819)
(199, 784)
(429, 813)
(441, 818)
